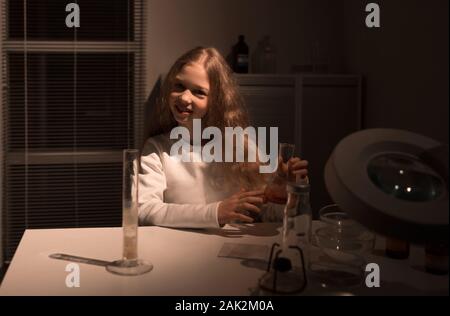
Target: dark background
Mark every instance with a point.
(404, 63)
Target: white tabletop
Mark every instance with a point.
(185, 263)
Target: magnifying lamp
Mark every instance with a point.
(393, 182)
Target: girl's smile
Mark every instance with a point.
(182, 110)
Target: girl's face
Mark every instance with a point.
(189, 95)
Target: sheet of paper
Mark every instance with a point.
(244, 251)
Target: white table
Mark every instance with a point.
(185, 262)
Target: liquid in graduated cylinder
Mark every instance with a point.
(130, 231)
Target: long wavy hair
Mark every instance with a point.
(226, 108)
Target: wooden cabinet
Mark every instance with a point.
(312, 111)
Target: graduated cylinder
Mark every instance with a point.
(130, 192)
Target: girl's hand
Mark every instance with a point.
(298, 167)
(232, 208)
(295, 169)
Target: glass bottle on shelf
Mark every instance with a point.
(264, 58)
(240, 56)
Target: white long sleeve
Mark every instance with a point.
(179, 194)
(173, 193)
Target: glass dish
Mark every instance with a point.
(342, 247)
(355, 240)
(333, 215)
(339, 261)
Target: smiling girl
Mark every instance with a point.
(200, 85)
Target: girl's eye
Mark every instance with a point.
(200, 93)
(178, 87)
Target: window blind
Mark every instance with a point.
(72, 101)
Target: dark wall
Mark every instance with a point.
(405, 64)
(301, 31)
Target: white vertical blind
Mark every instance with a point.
(73, 101)
(2, 127)
(25, 106)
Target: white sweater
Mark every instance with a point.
(173, 193)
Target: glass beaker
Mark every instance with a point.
(286, 273)
(275, 191)
(130, 264)
(297, 217)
